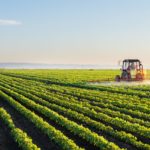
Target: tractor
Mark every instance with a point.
(132, 70)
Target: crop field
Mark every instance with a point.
(58, 110)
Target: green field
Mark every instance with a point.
(58, 110)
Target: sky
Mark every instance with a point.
(74, 31)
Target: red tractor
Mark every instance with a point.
(132, 70)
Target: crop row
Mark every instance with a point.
(102, 104)
(117, 100)
(54, 135)
(69, 76)
(20, 137)
(57, 81)
(120, 135)
(79, 86)
(114, 99)
(97, 109)
(127, 126)
(96, 95)
(79, 130)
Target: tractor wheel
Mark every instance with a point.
(124, 76)
(117, 79)
(139, 77)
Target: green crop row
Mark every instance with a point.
(54, 80)
(120, 135)
(97, 109)
(96, 95)
(53, 134)
(127, 126)
(109, 108)
(142, 131)
(20, 137)
(122, 113)
(99, 96)
(73, 127)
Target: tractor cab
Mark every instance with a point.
(132, 70)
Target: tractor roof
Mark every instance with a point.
(131, 60)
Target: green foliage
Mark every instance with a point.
(20, 137)
(47, 129)
(123, 113)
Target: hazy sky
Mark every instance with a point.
(74, 31)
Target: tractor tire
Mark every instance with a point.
(139, 77)
(124, 76)
(117, 79)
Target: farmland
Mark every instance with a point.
(57, 109)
